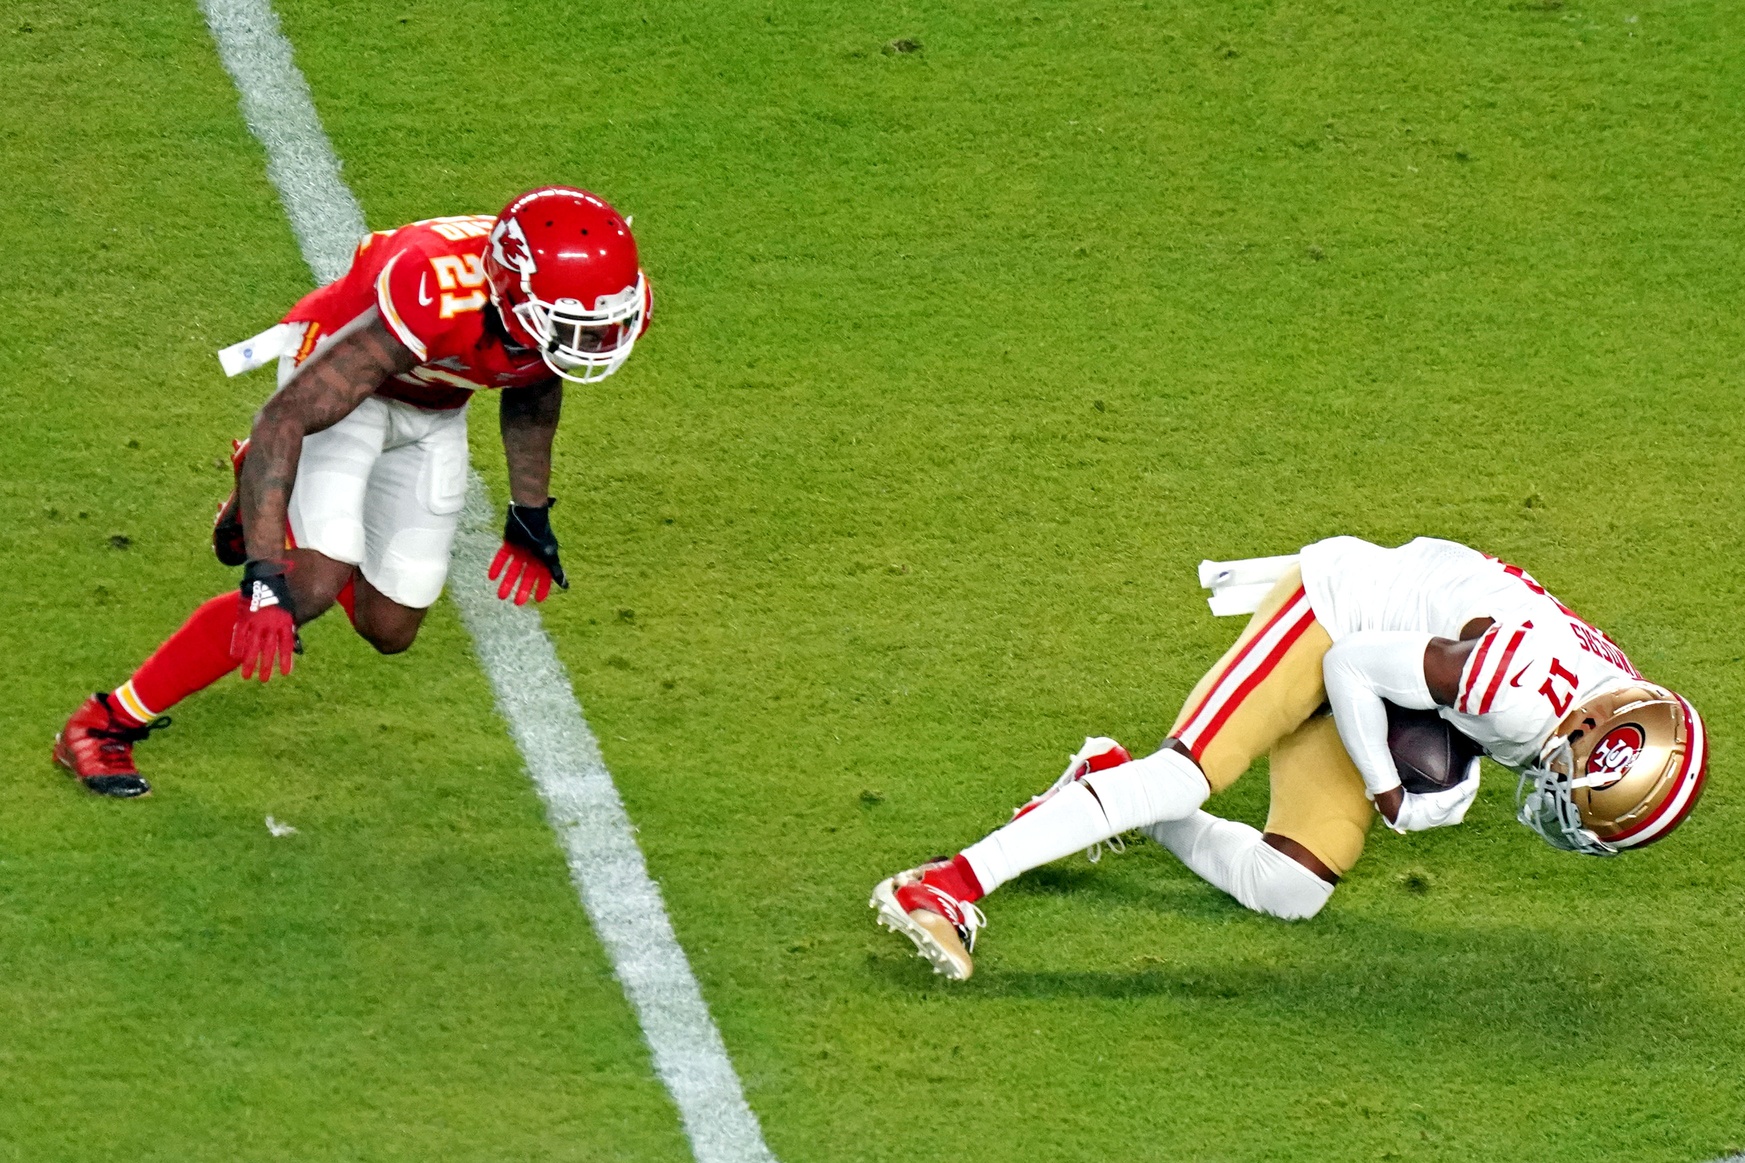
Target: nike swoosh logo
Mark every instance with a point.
(423, 299)
(1516, 681)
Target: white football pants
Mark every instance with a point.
(382, 490)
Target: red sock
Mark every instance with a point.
(193, 658)
(347, 599)
(958, 879)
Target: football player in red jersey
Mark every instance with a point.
(350, 486)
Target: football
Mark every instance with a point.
(1430, 754)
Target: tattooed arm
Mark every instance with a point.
(325, 390)
(529, 421)
(528, 561)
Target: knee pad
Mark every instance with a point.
(1164, 786)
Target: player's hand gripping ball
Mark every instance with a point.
(1429, 753)
(528, 563)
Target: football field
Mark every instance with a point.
(977, 327)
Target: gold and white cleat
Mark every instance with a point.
(942, 927)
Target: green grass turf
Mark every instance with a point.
(407, 978)
(963, 358)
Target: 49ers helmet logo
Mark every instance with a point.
(510, 248)
(1613, 756)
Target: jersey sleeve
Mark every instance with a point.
(1361, 671)
(1515, 688)
(408, 297)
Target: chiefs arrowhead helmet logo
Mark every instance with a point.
(509, 247)
(1613, 756)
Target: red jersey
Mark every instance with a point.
(428, 282)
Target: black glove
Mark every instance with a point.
(528, 555)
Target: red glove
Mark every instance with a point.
(528, 561)
(265, 628)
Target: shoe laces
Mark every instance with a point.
(136, 734)
(1114, 844)
(963, 915)
(1078, 765)
(973, 922)
(1076, 770)
(119, 738)
(969, 920)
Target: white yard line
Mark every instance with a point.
(534, 695)
(325, 217)
(533, 692)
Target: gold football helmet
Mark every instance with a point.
(1622, 770)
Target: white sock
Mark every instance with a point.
(1164, 786)
(1071, 819)
(1232, 856)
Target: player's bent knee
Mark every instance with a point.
(315, 584)
(390, 629)
(1280, 887)
(393, 641)
(307, 607)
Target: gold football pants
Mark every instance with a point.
(1266, 695)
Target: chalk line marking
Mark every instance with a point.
(535, 696)
(532, 690)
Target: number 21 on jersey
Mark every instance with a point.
(456, 273)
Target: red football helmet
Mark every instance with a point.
(564, 277)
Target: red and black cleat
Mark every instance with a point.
(98, 749)
(227, 539)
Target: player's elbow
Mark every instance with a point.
(1386, 664)
(278, 423)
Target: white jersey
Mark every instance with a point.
(1428, 584)
(1536, 661)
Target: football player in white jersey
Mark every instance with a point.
(1608, 760)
